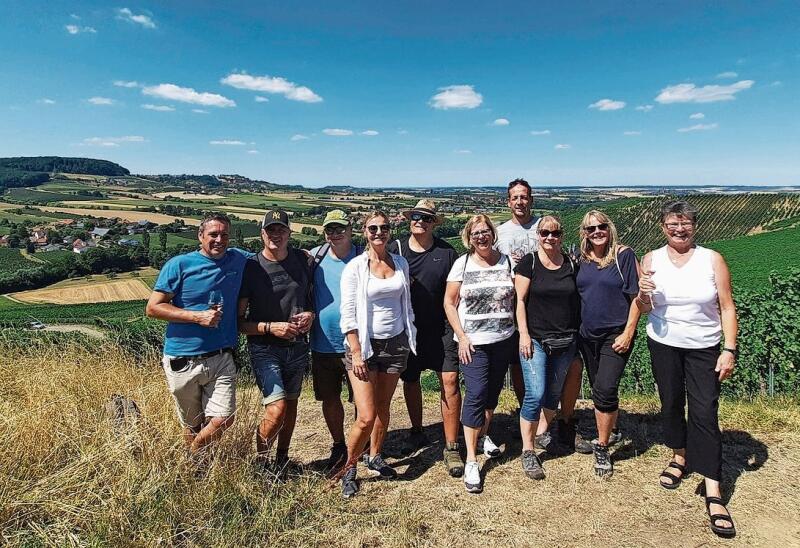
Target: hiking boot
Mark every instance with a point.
(415, 440)
(338, 456)
(603, 466)
(615, 437)
(490, 450)
(531, 465)
(378, 467)
(543, 442)
(349, 483)
(452, 459)
(571, 439)
(472, 477)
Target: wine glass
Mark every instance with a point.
(215, 301)
(294, 318)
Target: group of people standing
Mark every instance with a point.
(397, 307)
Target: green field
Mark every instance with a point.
(43, 197)
(12, 259)
(20, 314)
(752, 258)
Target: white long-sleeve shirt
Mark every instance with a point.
(355, 305)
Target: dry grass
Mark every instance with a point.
(125, 215)
(66, 479)
(107, 291)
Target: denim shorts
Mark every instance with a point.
(279, 370)
(544, 379)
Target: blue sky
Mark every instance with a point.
(410, 93)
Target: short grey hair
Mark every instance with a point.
(219, 217)
(681, 208)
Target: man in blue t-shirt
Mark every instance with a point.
(197, 293)
(327, 340)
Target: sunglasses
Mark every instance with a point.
(554, 233)
(422, 217)
(480, 234)
(373, 229)
(591, 228)
(335, 229)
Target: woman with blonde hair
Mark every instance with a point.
(479, 303)
(548, 316)
(608, 281)
(378, 323)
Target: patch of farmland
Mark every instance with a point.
(131, 216)
(12, 260)
(112, 291)
(188, 195)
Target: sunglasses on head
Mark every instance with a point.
(422, 217)
(373, 229)
(335, 229)
(544, 233)
(591, 228)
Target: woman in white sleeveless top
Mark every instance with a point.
(687, 290)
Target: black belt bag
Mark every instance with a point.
(556, 346)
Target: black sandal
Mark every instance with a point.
(676, 480)
(725, 532)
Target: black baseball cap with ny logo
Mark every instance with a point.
(275, 216)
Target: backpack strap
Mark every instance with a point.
(616, 260)
(321, 252)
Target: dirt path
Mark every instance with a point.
(573, 507)
(85, 329)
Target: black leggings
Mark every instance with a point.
(688, 374)
(605, 368)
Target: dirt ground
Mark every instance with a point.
(101, 292)
(572, 507)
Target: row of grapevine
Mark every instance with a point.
(21, 314)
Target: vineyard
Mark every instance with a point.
(14, 314)
(721, 217)
(12, 260)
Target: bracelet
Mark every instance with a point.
(734, 351)
(268, 329)
(648, 302)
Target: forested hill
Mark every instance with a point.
(49, 164)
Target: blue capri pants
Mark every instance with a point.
(483, 380)
(544, 379)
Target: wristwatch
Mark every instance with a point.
(733, 351)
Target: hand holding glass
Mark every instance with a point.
(215, 302)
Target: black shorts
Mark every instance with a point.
(435, 353)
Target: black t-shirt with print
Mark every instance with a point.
(273, 289)
(428, 271)
(553, 304)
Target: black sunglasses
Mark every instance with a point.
(592, 228)
(335, 229)
(554, 233)
(422, 217)
(373, 229)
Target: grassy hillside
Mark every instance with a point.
(20, 314)
(752, 258)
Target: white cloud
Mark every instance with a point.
(689, 93)
(253, 152)
(462, 151)
(644, 108)
(104, 101)
(260, 99)
(75, 29)
(228, 142)
(562, 147)
(336, 132)
(126, 83)
(402, 132)
(199, 111)
(698, 127)
(188, 95)
(540, 132)
(46, 101)
(776, 83)
(460, 96)
(697, 116)
(608, 104)
(298, 137)
(113, 141)
(501, 122)
(272, 84)
(369, 133)
(76, 17)
(727, 74)
(631, 133)
(127, 15)
(158, 108)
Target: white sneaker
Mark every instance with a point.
(472, 477)
(490, 450)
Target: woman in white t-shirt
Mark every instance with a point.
(378, 323)
(687, 290)
(479, 302)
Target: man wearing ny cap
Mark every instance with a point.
(430, 259)
(327, 340)
(275, 313)
(196, 294)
